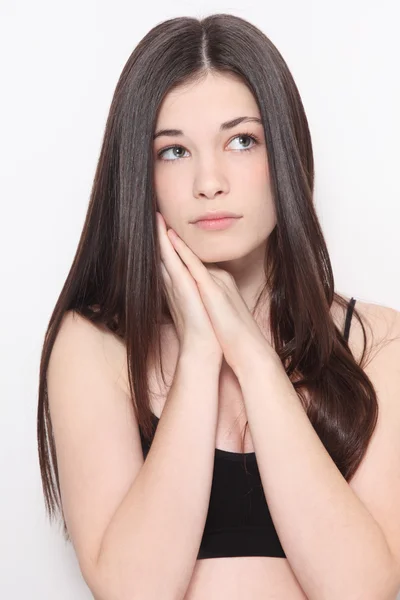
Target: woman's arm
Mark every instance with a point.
(150, 547)
(335, 546)
(135, 525)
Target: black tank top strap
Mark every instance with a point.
(349, 314)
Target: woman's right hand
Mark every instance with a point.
(192, 323)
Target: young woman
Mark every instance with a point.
(266, 464)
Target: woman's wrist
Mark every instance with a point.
(200, 356)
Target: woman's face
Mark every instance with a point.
(209, 169)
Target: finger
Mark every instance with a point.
(165, 274)
(193, 263)
(172, 261)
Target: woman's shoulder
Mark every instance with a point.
(381, 325)
(112, 347)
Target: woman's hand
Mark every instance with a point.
(192, 323)
(236, 330)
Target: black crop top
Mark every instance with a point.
(238, 520)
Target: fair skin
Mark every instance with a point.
(340, 538)
(213, 170)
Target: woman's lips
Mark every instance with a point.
(213, 224)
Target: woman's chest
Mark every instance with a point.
(238, 500)
(232, 435)
(232, 416)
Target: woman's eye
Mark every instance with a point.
(244, 136)
(162, 153)
(178, 151)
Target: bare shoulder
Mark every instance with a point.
(381, 325)
(382, 332)
(77, 328)
(383, 344)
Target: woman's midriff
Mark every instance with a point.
(255, 577)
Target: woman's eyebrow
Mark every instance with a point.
(227, 125)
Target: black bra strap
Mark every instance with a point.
(348, 319)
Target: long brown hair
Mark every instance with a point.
(115, 279)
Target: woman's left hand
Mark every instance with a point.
(234, 325)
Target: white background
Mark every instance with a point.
(60, 63)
